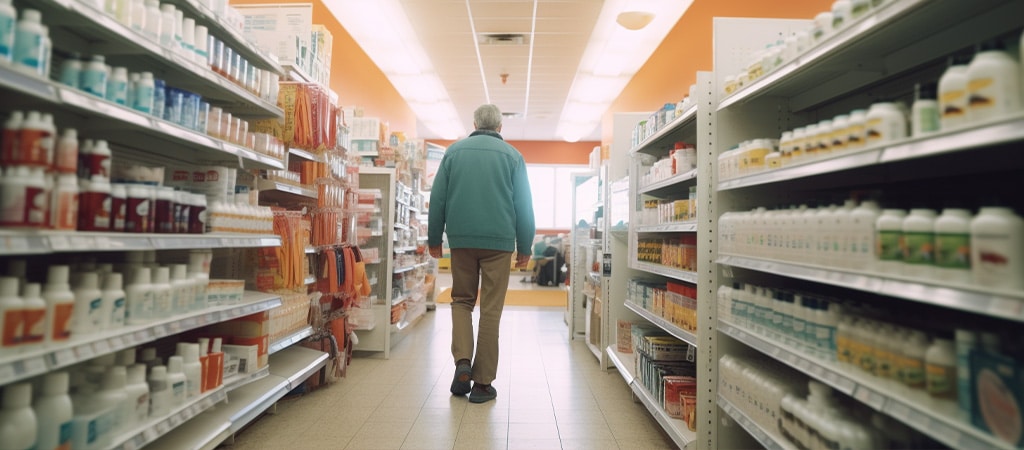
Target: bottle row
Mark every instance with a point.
(681, 158)
(674, 302)
(955, 368)
(984, 249)
(775, 401)
(677, 253)
(88, 405)
(662, 117)
(657, 212)
(986, 89)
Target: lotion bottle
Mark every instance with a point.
(113, 396)
(88, 305)
(138, 394)
(192, 368)
(54, 413)
(160, 397)
(11, 314)
(60, 304)
(162, 296)
(139, 296)
(114, 299)
(33, 316)
(177, 382)
(18, 424)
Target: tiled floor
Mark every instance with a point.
(551, 395)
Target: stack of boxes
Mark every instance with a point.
(665, 367)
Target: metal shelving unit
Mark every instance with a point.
(33, 242)
(769, 439)
(675, 428)
(671, 328)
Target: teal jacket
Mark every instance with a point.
(481, 196)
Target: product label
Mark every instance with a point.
(66, 158)
(94, 164)
(118, 210)
(867, 359)
(117, 314)
(117, 91)
(64, 210)
(178, 390)
(13, 331)
(912, 372)
(941, 381)
(843, 351)
(35, 206)
(856, 137)
(927, 120)
(884, 365)
(979, 93)
(144, 98)
(874, 132)
(142, 408)
(994, 255)
(34, 330)
(918, 247)
(94, 211)
(62, 321)
(888, 245)
(136, 215)
(28, 49)
(953, 103)
(94, 82)
(32, 148)
(6, 36)
(953, 250)
(64, 442)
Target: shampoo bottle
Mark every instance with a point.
(60, 304)
(88, 305)
(138, 393)
(18, 424)
(112, 395)
(177, 381)
(139, 296)
(192, 368)
(160, 400)
(54, 413)
(114, 299)
(11, 314)
(162, 296)
(33, 316)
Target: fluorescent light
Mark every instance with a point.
(613, 55)
(384, 32)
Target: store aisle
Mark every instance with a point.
(551, 395)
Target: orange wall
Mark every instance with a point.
(549, 152)
(687, 49)
(355, 77)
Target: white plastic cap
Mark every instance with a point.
(204, 346)
(17, 396)
(191, 353)
(8, 287)
(115, 378)
(31, 290)
(31, 15)
(126, 357)
(114, 281)
(175, 364)
(158, 373)
(89, 280)
(216, 345)
(148, 354)
(163, 275)
(136, 374)
(179, 272)
(55, 383)
(166, 7)
(142, 276)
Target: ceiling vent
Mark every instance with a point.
(502, 39)
(512, 115)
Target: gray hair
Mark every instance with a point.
(487, 117)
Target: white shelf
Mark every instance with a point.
(404, 249)
(676, 227)
(660, 322)
(675, 428)
(684, 120)
(843, 161)
(39, 361)
(304, 154)
(916, 412)
(408, 268)
(291, 339)
(296, 363)
(1003, 304)
(769, 439)
(899, 35)
(241, 379)
(277, 187)
(678, 274)
(296, 73)
(671, 182)
(157, 427)
(30, 242)
(231, 36)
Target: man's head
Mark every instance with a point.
(487, 117)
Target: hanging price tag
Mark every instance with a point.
(59, 243)
(174, 420)
(160, 331)
(162, 428)
(15, 244)
(141, 336)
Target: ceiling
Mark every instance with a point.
(536, 88)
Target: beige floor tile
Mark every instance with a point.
(531, 415)
(590, 444)
(646, 444)
(480, 444)
(598, 431)
(383, 442)
(580, 416)
(440, 415)
(390, 429)
(419, 444)
(534, 444)
(483, 414)
(483, 431)
(394, 414)
(532, 431)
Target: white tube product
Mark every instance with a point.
(60, 304)
(33, 316)
(88, 305)
(162, 297)
(919, 242)
(139, 297)
(138, 394)
(114, 300)
(997, 248)
(54, 413)
(11, 306)
(18, 424)
(176, 381)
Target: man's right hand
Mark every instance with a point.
(435, 251)
(522, 261)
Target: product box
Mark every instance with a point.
(284, 29)
(624, 337)
(246, 355)
(997, 403)
(675, 388)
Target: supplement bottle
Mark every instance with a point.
(7, 25)
(18, 423)
(884, 123)
(940, 370)
(993, 84)
(953, 95)
(28, 42)
(953, 245)
(117, 86)
(94, 77)
(114, 299)
(94, 204)
(966, 342)
(153, 24)
(88, 305)
(137, 392)
(64, 203)
(118, 206)
(139, 295)
(11, 315)
(71, 71)
(33, 315)
(65, 158)
(54, 412)
(144, 92)
(918, 242)
(176, 381)
(912, 364)
(60, 304)
(888, 235)
(997, 248)
(925, 110)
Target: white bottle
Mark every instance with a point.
(198, 272)
(54, 413)
(29, 35)
(188, 36)
(153, 23)
(162, 296)
(160, 397)
(941, 370)
(167, 25)
(885, 123)
(114, 299)
(60, 304)
(117, 86)
(18, 424)
(139, 297)
(997, 248)
(919, 242)
(179, 19)
(94, 76)
(993, 84)
(138, 15)
(113, 395)
(181, 289)
(11, 308)
(8, 15)
(953, 246)
(71, 71)
(912, 369)
(192, 368)
(88, 305)
(137, 392)
(888, 234)
(924, 117)
(144, 93)
(953, 96)
(33, 316)
(91, 424)
(200, 45)
(176, 381)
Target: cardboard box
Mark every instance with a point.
(997, 385)
(246, 355)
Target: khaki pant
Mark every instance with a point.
(488, 269)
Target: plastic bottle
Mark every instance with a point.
(94, 77)
(216, 364)
(204, 364)
(182, 292)
(198, 214)
(24, 202)
(60, 304)
(164, 210)
(138, 15)
(137, 207)
(192, 368)
(137, 392)
(118, 206)
(54, 413)
(924, 117)
(198, 270)
(912, 363)
(11, 153)
(885, 123)
(153, 23)
(140, 297)
(71, 71)
(89, 312)
(33, 316)
(94, 204)
(144, 90)
(179, 19)
(18, 424)
(941, 370)
(33, 138)
(177, 382)
(200, 44)
(113, 396)
(997, 248)
(8, 17)
(889, 231)
(96, 160)
(966, 342)
(65, 158)
(953, 95)
(188, 36)
(117, 86)
(918, 242)
(114, 300)
(92, 422)
(953, 246)
(160, 397)
(993, 84)
(167, 25)
(11, 315)
(29, 35)
(163, 299)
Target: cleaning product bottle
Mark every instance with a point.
(192, 368)
(997, 248)
(12, 316)
(88, 305)
(160, 397)
(7, 24)
(18, 423)
(54, 413)
(953, 94)
(28, 41)
(139, 297)
(993, 84)
(114, 300)
(137, 392)
(60, 304)
(177, 382)
(33, 316)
